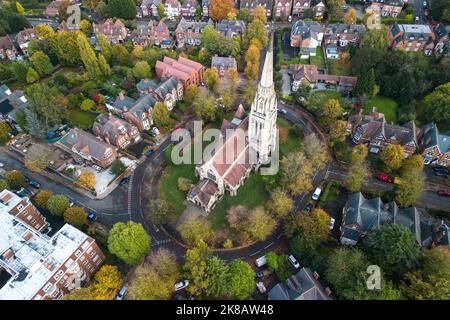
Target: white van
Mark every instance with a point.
(316, 194)
(261, 261)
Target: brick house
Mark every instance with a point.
(252, 4)
(299, 7)
(435, 145)
(137, 112)
(86, 147)
(148, 8)
(343, 35)
(307, 35)
(282, 9)
(189, 8)
(184, 70)
(169, 90)
(223, 64)
(151, 32)
(52, 10)
(205, 8)
(319, 9)
(229, 28)
(24, 210)
(188, 32)
(36, 266)
(115, 131)
(7, 49)
(172, 9)
(376, 133)
(24, 37)
(442, 40)
(115, 32)
(411, 37)
(388, 8)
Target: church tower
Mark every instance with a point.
(262, 130)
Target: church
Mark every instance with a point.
(246, 143)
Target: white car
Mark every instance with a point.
(122, 292)
(332, 221)
(97, 168)
(156, 130)
(316, 194)
(181, 285)
(427, 160)
(1, 165)
(261, 261)
(294, 261)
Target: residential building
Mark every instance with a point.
(361, 216)
(231, 28)
(342, 35)
(223, 64)
(115, 32)
(299, 7)
(151, 32)
(189, 8)
(148, 8)
(115, 131)
(23, 210)
(84, 146)
(7, 49)
(304, 285)
(411, 37)
(52, 9)
(310, 75)
(184, 70)
(138, 112)
(376, 133)
(252, 4)
(172, 9)
(319, 9)
(307, 35)
(169, 91)
(24, 37)
(388, 8)
(246, 143)
(35, 266)
(435, 145)
(205, 8)
(282, 9)
(188, 32)
(10, 104)
(442, 40)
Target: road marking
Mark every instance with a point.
(268, 245)
(255, 253)
(279, 236)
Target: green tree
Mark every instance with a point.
(160, 114)
(329, 113)
(105, 46)
(412, 185)
(34, 125)
(375, 38)
(365, 84)
(58, 204)
(88, 57)
(244, 15)
(394, 249)
(87, 104)
(313, 228)
(160, 211)
(20, 70)
(193, 230)
(41, 63)
(196, 268)
(338, 130)
(32, 75)
(3, 185)
(66, 47)
(334, 9)
(242, 279)
(117, 167)
(357, 176)
(42, 197)
(205, 106)
(15, 179)
(281, 204)
(147, 284)
(104, 66)
(130, 242)
(217, 272)
(392, 156)
(190, 94)
(161, 11)
(75, 216)
(256, 30)
(125, 9)
(5, 129)
(211, 79)
(86, 27)
(260, 224)
(358, 154)
(19, 8)
(141, 70)
(437, 104)
(120, 55)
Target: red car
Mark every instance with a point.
(385, 178)
(443, 193)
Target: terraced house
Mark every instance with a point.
(115, 131)
(252, 4)
(307, 35)
(189, 8)
(184, 70)
(172, 9)
(137, 112)
(169, 90)
(115, 32)
(299, 7)
(188, 33)
(148, 8)
(282, 9)
(388, 8)
(151, 32)
(7, 49)
(436, 145)
(23, 39)
(411, 37)
(231, 28)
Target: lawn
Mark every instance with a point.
(338, 68)
(384, 105)
(318, 59)
(291, 143)
(81, 119)
(330, 94)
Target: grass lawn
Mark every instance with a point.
(318, 59)
(251, 194)
(384, 105)
(336, 67)
(291, 143)
(330, 94)
(82, 119)
(329, 193)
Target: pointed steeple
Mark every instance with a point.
(267, 72)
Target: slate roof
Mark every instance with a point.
(432, 137)
(120, 103)
(307, 29)
(229, 28)
(223, 62)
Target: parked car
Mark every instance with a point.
(290, 19)
(385, 178)
(308, 208)
(259, 274)
(261, 261)
(424, 4)
(149, 152)
(417, 19)
(24, 193)
(441, 174)
(441, 169)
(316, 194)
(97, 168)
(332, 222)
(1, 165)
(155, 130)
(443, 193)
(283, 111)
(34, 184)
(122, 292)
(92, 216)
(124, 181)
(261, 288)
(181, 285)
(294, 261)
(427, 160)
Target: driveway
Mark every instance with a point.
(286, 88)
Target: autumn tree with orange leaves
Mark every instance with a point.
(220, 9)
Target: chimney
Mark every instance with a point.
(121, 96)
(315, 275)
(374, 109)
(328, 291)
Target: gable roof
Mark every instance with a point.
(432, 137)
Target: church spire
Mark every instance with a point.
(267, 72)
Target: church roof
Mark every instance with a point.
(267, 71)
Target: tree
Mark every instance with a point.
(244, 15)
(87, 105)
(190, 94)
(437, 104)
(120, 55)
(205, 106)
(42, 197)
(412, 185)
(5, 129)
(414, 162)
(259, 13)
(334, 9)
(329, 113)
(338, 130)
(392, 156)
(394, 248)
(86, 27)
(20, 69)
(211, 78)
(231, 16)
(15, 179)
(365, 84)
(160, 211)
(357, 176)
(3, 185)
(62, 10)
(161, 11)
(32, 75)
(125, 9)
(164, 262)
(296, 173)
(358, 154)
(66, 47)
(315, 150)
(130, 242)
(107, 282)
(193, 230)
(431, 281)
(105, 46)
(147, 284)
(19, 8)
(220, 8)
(196, 268)
(41, 63)
(58, 204)
(281, 204)
(233, 77)
(88, 57)
(44, 31)
(217, 272)
(87, 179)
(259, 224)
(75, 216)
(313, 228)
(161, 115)
(141, 70)
(37, 157)
(117, 167)
(279, 264)
(439, 10)
(184, 184)
(252, 59)
(104, 66)
(242, 278)
(256, 30)
(350, 16)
